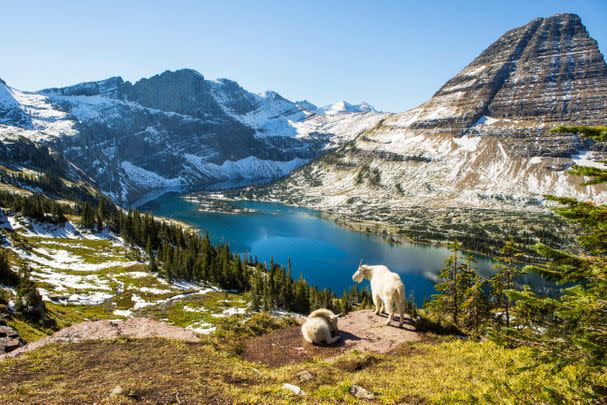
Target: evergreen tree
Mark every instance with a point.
(28, 302)
(449, 301)
(7, 276)
(462, 299)
(475, 307)
(504, 279)
(153, 266)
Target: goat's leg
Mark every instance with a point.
(401, 312)
(390, 311)
(378, 304)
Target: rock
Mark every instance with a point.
(138, 328)
(361, 393)
(293, 388)
(11, 345)
(304, 376)
(116, 391)
(5, 330)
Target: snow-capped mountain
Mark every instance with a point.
(482, 140)
(345, 107)
(175, 130)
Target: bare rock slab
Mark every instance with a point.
(363, 330)
(138, 328)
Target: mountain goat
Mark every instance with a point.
(320, 327)
(387, 289)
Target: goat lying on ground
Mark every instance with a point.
(387, 289)
(320, 327)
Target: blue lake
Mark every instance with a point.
(326, 254)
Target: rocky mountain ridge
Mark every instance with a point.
(175, 130)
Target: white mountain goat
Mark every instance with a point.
(387, 289)
(320, 327)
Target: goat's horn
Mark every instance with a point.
(361, 262)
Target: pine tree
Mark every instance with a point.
(449, 301)
(153, 266)
(504, 279)
(7, 276)
(475, 307)
(28, 302)
(461, 298)
(257, 292)
(57, 214)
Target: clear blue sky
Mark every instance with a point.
(393, 54)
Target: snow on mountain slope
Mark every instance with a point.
(31, 115)
(345, 107)
(247, 168)
(268, 113)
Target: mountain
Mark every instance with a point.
(481, 142)
(175, 130)
(345, 107)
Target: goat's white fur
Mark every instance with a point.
(320, 327)
(387, 289)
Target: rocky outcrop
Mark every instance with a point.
(137, 328)
(9, 338)
(184, 92)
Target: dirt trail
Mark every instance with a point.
(111, 329)
(360, 330)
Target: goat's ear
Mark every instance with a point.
(339, 315)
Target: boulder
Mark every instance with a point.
(361, 393)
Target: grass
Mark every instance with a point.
(87, 249)
(163, 371)
(208, 304)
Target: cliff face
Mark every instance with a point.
(184, 92)
(547, 71)
(482, 140)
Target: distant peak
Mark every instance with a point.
(306, 105)
(109, 86)
(342, 106)
(187, 73)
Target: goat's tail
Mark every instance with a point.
(400, 291)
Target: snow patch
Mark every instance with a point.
(586, 158)
(148, 179)
(467, 143)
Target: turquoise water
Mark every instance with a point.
(326, 254)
